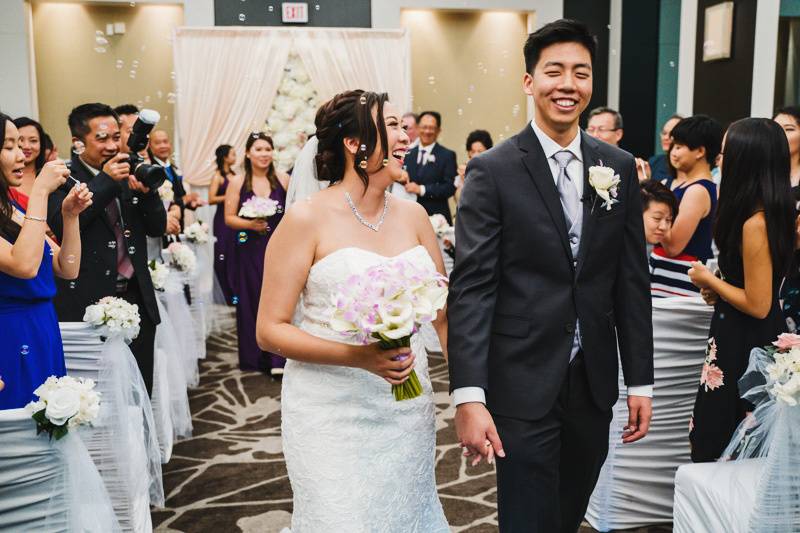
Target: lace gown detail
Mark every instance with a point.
(358, 461)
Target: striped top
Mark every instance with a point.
(669, 275)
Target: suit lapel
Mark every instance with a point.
(82, 174)
(539, 170)
(590, 158)
(411, 162)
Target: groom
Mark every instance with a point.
(548, 281)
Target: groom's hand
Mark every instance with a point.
(477, 433)
(640, 411)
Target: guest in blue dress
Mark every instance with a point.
(31, 348)
(252, 235)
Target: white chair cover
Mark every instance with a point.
(160, 401)
(174, 301)
(122, 442)
(178, 399)
(717, 497)
(49, 486)
(635, 487)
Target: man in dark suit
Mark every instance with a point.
(550, 277)
(431, 167)
(160, 152)
(113, 229)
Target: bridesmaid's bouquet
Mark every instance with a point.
(114, 317)
(258, 207)
(197, 232)
(64, 403)
(389, 302)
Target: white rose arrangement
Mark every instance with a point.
(159, 273)
(182, 257)
(197, 232)
(165, 192)
(440, 225)
(783, 373)
(606, 183)
(114, 317)
(291, 118)
(64, 403)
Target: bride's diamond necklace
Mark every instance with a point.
(379, 223)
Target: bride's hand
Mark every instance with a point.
(381, 362)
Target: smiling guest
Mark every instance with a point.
(659, 209)
(605, 124)
(32, 138)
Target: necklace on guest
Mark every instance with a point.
(361, 219)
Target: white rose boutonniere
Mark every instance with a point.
(605, 182)
(431, 159)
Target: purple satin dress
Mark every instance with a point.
(223, 253)
(245, 281)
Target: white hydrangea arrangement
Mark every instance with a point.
(182, 257)
(114, 317)
(159, 273)
(291, 119)
(197, 232)
(64, 403)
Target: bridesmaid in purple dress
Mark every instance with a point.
(223, 256)
(250, 242)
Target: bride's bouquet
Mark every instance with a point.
(389, 302)
(64, 403)
(197, 232)
(258, 207)
(114, 316)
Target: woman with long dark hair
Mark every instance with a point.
(260, 179)
(755, 234)
(32, 138)
(30, 341)
(225, 157)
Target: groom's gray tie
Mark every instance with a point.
(569, 193)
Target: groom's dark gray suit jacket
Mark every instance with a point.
(515, 292)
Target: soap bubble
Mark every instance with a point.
(112, 244)
(460, 112)
(100, 40)
(78, 147)
(469, 100)
(135, 200)
(132, 250)
(431, 80)
(100, 49)
(235, 300)
(127, 233)
(24, 350)
(242, 237)
(71, 258)
(242, 17)
(120, 64)
(222, 257)
(132, 74)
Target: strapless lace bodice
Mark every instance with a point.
(358, 460)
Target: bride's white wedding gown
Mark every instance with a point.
(358, 460)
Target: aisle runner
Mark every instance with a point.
(231, 475)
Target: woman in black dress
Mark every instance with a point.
(755, 234)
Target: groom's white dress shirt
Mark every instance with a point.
(575, 172)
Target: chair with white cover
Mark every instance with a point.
(636, 483)
(173, 398)
(173, 300)
(49, 485)
(122, 442)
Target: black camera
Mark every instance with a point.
(151, 176)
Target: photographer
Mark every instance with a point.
(128, 114)
(113, 230)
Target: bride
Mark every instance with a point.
(357, 459)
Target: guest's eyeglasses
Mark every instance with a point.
(599, 129)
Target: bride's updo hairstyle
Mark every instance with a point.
(349, 115)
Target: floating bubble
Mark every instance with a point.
(112, 244)
(24, 349)
(242, 17)
(100, 49)
(171, 98)
(235, 300)
(469, 100)
(363, 100)
(99, 33)
(316, 6)
(133, 4)
(72, 284)
(363, 147)
(222, 257)
(159, 94)
(127, 233)
(100, 40)
(147, 98)
(135, 63)
(120, 63)
(132, 74)
(505, 53)
(132, 250)
(672, 64)
(108, 272)
(78, 147)
(431, 80)
(135, 200)
(460, 112)
(472, 88)
(507, 128)
(480, 65)
(172, 75)
(70, 259)
(242, 237)
(270, 9)
(52, 253)
(515, 110)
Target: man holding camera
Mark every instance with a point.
(113, 229)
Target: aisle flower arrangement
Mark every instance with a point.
(159, 272)
(64, 403)
(182, 257)
(197, 232)
(114, 316)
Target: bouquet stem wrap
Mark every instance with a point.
(410, 388)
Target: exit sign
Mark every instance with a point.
(295, 12)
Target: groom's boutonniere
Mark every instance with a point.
(605, 182)
(431, 159)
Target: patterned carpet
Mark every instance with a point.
(231, 475)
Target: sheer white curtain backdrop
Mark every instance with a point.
(227, 79)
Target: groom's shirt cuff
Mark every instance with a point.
(469, 395)
(641, 390)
